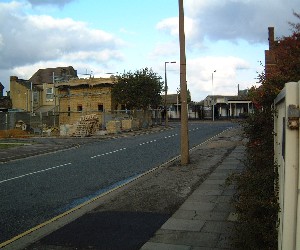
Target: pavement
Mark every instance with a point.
(204, 221)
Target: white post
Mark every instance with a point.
(213, 104)
(286, 153)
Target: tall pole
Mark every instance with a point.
(183, 90)
(54, 93)
(213, 99)
(166, 93)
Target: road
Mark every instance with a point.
(36, 189)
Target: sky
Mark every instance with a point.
(225, 40)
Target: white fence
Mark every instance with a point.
(286, 142)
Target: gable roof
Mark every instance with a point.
(46, 75)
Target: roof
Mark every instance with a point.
(171, 99)
(46, 75)
(88, 82)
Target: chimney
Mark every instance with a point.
(271, 38)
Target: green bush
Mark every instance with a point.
(256, 200)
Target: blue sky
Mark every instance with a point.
(115, 36)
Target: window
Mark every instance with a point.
(35, 97)
(69, 111)
(49, 94)
(100, 107)
(79, 107)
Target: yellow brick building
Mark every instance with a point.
(79, 97)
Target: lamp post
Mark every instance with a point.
(184, 137)
(166, 91)
(213, 101)
(178, 91)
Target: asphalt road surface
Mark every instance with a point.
(35, 189)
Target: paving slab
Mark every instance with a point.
(183, 225)
(206, 219)
(202, 239)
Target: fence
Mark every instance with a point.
(286, 144)
(33, 121)
(37, 122)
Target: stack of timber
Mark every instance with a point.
(87, 126)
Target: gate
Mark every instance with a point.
(286, 145)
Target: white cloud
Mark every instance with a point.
(50, 2)
(170, 26)
(200, 71)
(240, 19)
(164, 50)
(232, 20)
(93, 56)
(128, 32)
(30, 39)
(199, 76)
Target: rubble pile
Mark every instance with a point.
(87, 126)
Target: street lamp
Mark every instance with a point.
(166, 90)
(213, 101)
(178, 92)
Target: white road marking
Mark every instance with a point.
(144, 143)
(107, 153)
(36, 172)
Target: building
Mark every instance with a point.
(270, 59)
(5, 102)
(78, 97)
(226, 106)
(37, 94)
(59, 92)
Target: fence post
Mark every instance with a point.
(286, 153)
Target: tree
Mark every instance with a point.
(257, 208)
(189, 97)
(138, 90)
(287, 56)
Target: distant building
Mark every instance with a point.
(270, 59)
(37, 93)
(5, 102)
(227, 106)
(78, 97)
(1, 89)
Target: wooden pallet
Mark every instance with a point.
(87, 126)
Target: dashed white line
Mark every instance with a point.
(107, 153)
(170, 136)
(36, 172)
(144, 143)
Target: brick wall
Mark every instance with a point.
(20, 93)
(83, 100)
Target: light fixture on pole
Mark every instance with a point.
(166, 93)
(213, 99)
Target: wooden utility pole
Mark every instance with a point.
(183, 90)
